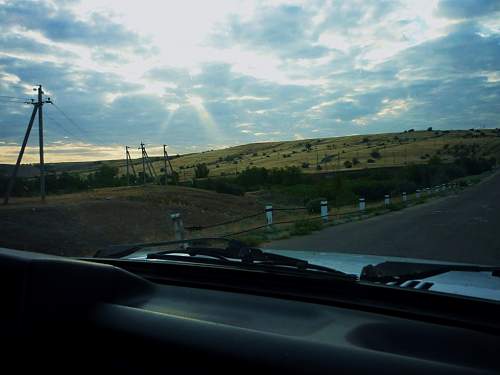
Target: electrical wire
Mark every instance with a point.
(69, 118)
(67, 131)
(12, 97)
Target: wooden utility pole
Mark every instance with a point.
(143, 164)
(126, 158)
(166, 160)
(151, 167)
(20, 156)
(165, 164)
(129, 163)
(40, 139)
(37, 107)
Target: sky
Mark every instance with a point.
(199, 75)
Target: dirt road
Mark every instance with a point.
(464, 227)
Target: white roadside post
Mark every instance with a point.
(362, 204)
(178, 226)
(324, 211)
(269, 215)
(417, 193)
(387, 200)
(404, 196)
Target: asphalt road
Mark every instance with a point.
(463, 227)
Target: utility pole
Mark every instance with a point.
(40, 139)
(20, 156)
(165, 160)
(37, 106)
(126, 158)
(151, 167)
(143, 164)
(129, 163)
(165, 163)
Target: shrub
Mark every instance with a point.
(347, 164)
(375, 154)
(201, 170)
(370, 161)
(355, 161)
(314, 205)
(304, 227)
(305, 165)
(228, 188)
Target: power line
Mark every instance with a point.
(12, 97)
(69, 118)
(15, 101)
(67, 131)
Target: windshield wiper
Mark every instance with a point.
(386, 272)
(235, 253)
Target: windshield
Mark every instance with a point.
(341, 133)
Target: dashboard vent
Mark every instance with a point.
(412, 284)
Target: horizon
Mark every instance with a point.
(33, 151)
(200, 76)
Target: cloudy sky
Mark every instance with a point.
(198, 75)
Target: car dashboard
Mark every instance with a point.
(66, 315)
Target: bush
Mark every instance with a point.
(314, 205)
(355, 161)
(370, 161)
(375, 154)
(305, 165)
(228, 188)
(347, 164)
(304, 227)
(201, 170)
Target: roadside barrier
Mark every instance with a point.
(325, 215)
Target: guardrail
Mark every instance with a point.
(325, 214)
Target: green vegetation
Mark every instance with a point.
(370, 165)
(303, 227)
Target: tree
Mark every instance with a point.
(375, 154)
(347, 164)
(308, 146)
(201, 170)
(429, 129)
(104, 176)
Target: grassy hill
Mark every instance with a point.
(314, 155)
(331, 154)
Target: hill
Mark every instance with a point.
(313, 155)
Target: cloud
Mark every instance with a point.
(467, 8)
(59, 23)
(272, 72)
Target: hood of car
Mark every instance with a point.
(470, 284)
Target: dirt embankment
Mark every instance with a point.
(79, 224)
